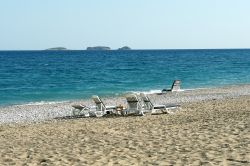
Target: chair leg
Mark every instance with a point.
(76, 112)
(141, 113)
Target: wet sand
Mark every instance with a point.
(215, 131)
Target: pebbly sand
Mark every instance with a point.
(211, 128)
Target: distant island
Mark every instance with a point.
(56, 49)
(95, 48)
(99, 48)
(124, 48)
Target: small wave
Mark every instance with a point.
(145, 92)
(193, 89)
(157, 91)
(44, 102)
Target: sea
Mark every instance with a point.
(55, 76)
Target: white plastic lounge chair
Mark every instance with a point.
(134, 105)
(101, 108)
(176, 86)
(80, 110)
(148, 105)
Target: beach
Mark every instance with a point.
(124, 83)
(212, 127)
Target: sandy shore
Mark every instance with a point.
(212, 128)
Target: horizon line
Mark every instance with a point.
(136, 49)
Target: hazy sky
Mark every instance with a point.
(150, 24)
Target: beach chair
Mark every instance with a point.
(101, 108)
(176, 86)
(80, 110)
(154, 109)
(134, 105)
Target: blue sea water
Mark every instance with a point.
(34, 76)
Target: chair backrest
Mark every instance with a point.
(148, 104)
(133, 102)
(100, 106)
(176, 86)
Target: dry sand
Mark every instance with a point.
(210, 132)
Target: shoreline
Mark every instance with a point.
(31, 113)
(147, 92)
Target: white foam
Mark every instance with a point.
(145, 92)
(45, 102)
(156, 91)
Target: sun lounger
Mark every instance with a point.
(80, 110)
(134, 105)
(176, 86)
(148, 105)
(101, 108)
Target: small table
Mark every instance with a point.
(119, 109)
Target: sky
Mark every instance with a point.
(140, 24)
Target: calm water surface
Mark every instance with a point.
(34, 76)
